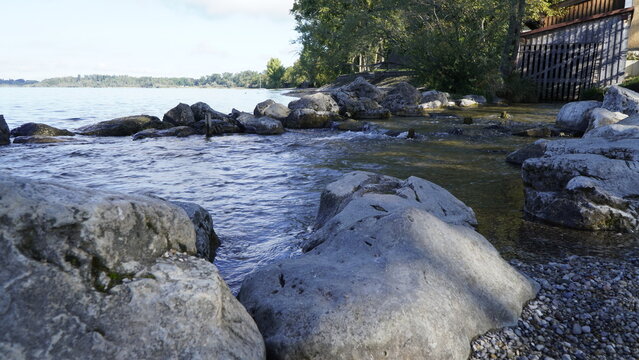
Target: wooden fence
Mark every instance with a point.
(565, 59)
(579, 9)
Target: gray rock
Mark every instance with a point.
(178, 131)
(576, 115)
(601, 117)
(81, 273)
(432, 105)
(614, 132)
(35, 129)
(125, 126)
(400, 284)
(206, 240)
(530, 151)
(620, 99)
(201, 110)
(354, 197)
(467, 103)
(181, 115)
(359, 108)
(481, 100)
(4, 132)
(271, 109)
(434, 95)
(261, 126)
(360, 88)
(401, 99)
(37, 139)
(589, 184)
(317, 102)
(310, 119)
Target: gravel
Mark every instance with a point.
(587, 308)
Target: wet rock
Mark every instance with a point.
(37, 139)
(601, 117)
(434, 95)
(217, 127)
(206, 240)
(84, 269)
(411, 111)
(125, 126)
(317, 102)
(310, 119)
(590, 184)
(35, 129)
(181, 115)
(271, 109)
(400, 283)
(260, 126)
(534, 150)
(539, 132)
(4, 132)
(402, 99)
(620, 99)
(202, 110)
(577, 115)
(178, 131)
(352, 125)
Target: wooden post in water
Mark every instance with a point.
(207, 121)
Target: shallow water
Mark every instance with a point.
(263, 192)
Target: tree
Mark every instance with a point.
(274, 73)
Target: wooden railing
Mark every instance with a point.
(578, 9)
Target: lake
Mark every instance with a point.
(263, 191)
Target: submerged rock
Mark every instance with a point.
(37, 139)
(35, 129)
(4, 132)
(178, 131)
(590, 184)
(352, 125)
(576, 116)
(261, 126)
(84, 278)
(206, 240)
(124, 126)
(181, 115)
(398, 283)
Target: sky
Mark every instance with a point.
(45, 38)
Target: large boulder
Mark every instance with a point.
(576, 116)
(434, 95)
(361, 88)
(402, 98)
(620, 99)
(86, 275)
(206, 240)
(601, 117)
(35, 129)
(614, 132)
(262, 126)
(178, 131)
(589, 184)
(202, 110)
(359, 108)
(124, 126)
(400, 283)
(271, 109)
(310, 119)
(317, 102)
(4, 132)
(181, 115)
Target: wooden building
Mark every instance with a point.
(584, 47)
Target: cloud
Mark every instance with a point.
(262, 8)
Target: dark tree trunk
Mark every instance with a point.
(511, 46)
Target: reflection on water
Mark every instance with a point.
(263, 192)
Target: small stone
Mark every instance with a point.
(585, 329)
(576, 329)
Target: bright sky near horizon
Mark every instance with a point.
(44, 38)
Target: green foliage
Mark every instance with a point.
(631, 83)
(245, 79)
(594, 93)
(274, 73)
(518, 90)
(294, 76)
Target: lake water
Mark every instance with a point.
(263, 191)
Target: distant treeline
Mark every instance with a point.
(17, 82)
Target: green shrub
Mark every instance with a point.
(594, 93)
(518, 90)
(631, 83)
